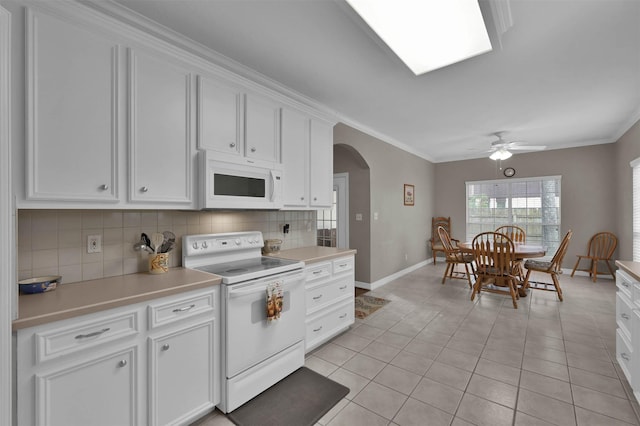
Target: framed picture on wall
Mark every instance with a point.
(409, 195)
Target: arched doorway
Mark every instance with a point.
(348, 161)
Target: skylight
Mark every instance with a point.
(427, 34)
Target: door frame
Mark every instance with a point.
(7, 224)
(341, 186)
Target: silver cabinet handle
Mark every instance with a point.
(232, 145)
(301, 198)
(144, 189)
(342, 316)
(317, 272)
(253, 149)
(625, 284)
(624, 356)
(186, 308)
(165, 347)
(315, 198)
(343, 287)
(625, 316)
(122, 363)
(104, 187)
(317, 329)
(317, 297)
(343, 265)
(94, 334)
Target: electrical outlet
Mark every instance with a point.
(94, 244)
(358, 216)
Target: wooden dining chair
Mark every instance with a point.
(515, 233)
(493, 254)
(436, 243)
(600, 249)
(552, 267)
(454, 257)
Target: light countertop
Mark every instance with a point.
(632, 268)
(85, 297)
(313, 254)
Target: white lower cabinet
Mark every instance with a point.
(97, 391)
(181, 365)
(628, 328)
(120, 367)
(329, 299)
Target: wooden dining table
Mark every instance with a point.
(521, 251)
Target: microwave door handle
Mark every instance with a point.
(273, 185)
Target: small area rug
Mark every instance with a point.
(300, 399)
(366, 305)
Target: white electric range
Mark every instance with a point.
(256, 352)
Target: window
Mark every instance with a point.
(636, 209)
(532, 203)
(327, 224)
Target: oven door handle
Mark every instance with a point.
(259, 288)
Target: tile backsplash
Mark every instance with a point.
(54, 242)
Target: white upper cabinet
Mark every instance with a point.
(160, 154)
(262, 128)
(295, 158)
(321, 164)
(220, 117)
(72, 105)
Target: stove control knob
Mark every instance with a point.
(237, 242)
(205, 245)
(195, 245)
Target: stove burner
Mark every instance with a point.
(237, 270)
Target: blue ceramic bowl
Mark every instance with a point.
(39, 284)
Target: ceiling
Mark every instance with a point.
(567, 72)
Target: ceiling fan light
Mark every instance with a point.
(501, 154)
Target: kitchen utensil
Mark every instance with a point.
(39, 284)
(156, 241)
(146, 239)
(141, 246)
(169, 240)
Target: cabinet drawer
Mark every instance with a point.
(327, 324)
(317, 272)
(342, 265)
(625, 284)
(76, 337)
(624, 313)
(182, 308)
(327, 293)
(624, 354)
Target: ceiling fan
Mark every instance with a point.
(501, 148)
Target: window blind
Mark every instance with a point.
(531, 203)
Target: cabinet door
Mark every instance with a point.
(160, 130)
(262, 128)
(295, 162)
(72, 101)
(181, 380)
(219, 117)
(98, 392)
(321, 164)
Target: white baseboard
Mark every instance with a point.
(567, 272)
(379, 283)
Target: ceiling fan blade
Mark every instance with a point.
(527, 148)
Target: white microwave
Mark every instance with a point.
(238, 184)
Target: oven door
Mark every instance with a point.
(249, 337)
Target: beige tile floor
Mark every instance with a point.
(433, 357)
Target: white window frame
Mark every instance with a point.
(551, 246)
(635, 165)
